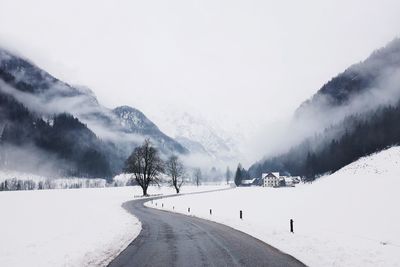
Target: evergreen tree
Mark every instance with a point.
(238, 175)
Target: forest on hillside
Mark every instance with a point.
(356, 136)
(63, 141)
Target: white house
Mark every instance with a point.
(270, 179)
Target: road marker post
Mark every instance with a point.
(291, 226)
(241, 214)
(210, 211)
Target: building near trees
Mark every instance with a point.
(270, 179)
(274, 179)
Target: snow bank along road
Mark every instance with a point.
(170, 239)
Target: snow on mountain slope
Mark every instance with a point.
(381, 163)
(203, 136)
(349, 218)
(135, 122)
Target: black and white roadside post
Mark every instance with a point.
(210, 211)
(189, 210)
(241, 214)
(291, 226)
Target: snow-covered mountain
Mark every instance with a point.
(134, 121)
(203, 137)
(36, 111)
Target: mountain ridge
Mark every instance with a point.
(46, 101)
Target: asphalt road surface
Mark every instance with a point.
(170, 239)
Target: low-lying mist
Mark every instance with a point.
(29, 158)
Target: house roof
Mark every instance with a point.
(271, 175)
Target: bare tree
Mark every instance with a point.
(145, 164)
(197, 176)
(175, 169)
(228, 175)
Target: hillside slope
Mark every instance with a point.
(353, 115)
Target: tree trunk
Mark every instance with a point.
(177, 189)
(144, 191)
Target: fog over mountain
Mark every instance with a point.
(247, 64)
(64, 127)
(354, 114)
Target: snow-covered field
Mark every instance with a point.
(70, 227)
(350, 218)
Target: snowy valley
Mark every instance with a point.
(344, 219)
(181, 133)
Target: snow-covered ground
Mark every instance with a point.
(350, 218)
(70, 227)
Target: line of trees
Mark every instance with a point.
(146, 166)
(14, 184)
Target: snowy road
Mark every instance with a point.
(170, 239)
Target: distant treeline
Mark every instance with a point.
(15, 184)
(357, 136)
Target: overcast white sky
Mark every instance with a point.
(237, 59)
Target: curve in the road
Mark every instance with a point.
(171, 239)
